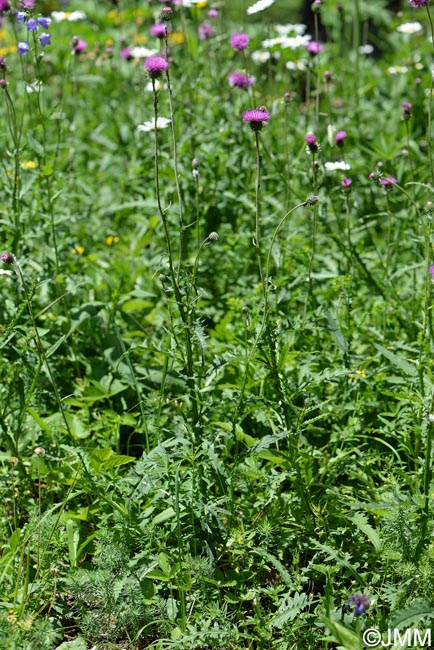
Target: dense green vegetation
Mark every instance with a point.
(216, 395)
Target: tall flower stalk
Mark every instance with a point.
(155, 66)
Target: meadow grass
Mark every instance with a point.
(216, 395)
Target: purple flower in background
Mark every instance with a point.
(388, 181)
(21, 16)
(312, 143)
(205, 31)
(45, 39)
(431, 268)
(406, 107)
(78, 45)
(32, 24)
(256, 118)
(27, 4)
(340, 137)
(240, 80)
(125, 53)
(346, 183)
(417, 3)
(239, 41)
(44, 22)
(7, 258)
(213, 13)
(23, 47)
(155, 65)
(314, 48)
(4, 5)
(360, 603)
(158, 30)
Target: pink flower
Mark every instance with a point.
(78, 45)
(314, 48)
(240, 80)
(155, 65)
(205, 31)
(239, 41)
(256, 117)
(158, 30)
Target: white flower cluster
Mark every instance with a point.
(259, 6)
(70, 16)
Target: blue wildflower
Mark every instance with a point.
(23, 47)
(45, 39)
(32, 24)
(44, 22)
(360, 603)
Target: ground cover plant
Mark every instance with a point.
(216, 395)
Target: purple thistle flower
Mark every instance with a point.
(166, 14)
(155, 65)
(23, 47)
(417, 3)
(158, 30)
(44, 21)
(314, 48)
(240, 80)
(360, 603)
(125, 53)
(78, 45)
(213, 13)
(7, 258)
(32, 24)
(4, 5)
(346, 183)
(431, 268)
(205, 31)
(45, 39)
(406, 107)
(256, 117)
(340, 137)
(28, 4)
(388, 181)
(312, 143)
(239, 41)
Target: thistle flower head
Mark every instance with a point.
(240, 80)
(239, 41)
(256, 117)
(155, 65)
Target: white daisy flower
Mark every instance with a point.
(70, 16)
(139, 52)
(284, 30)
(296, 65)
(259, 6)
(397, 69)
(366, 49)
(338, 165)
(162, 123)
(410, 28)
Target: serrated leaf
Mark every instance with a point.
(404, 618)
(360, 520)
(404, 365)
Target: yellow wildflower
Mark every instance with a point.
(78, 250)
(28, 164)
(111, 239)
(177, 38)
